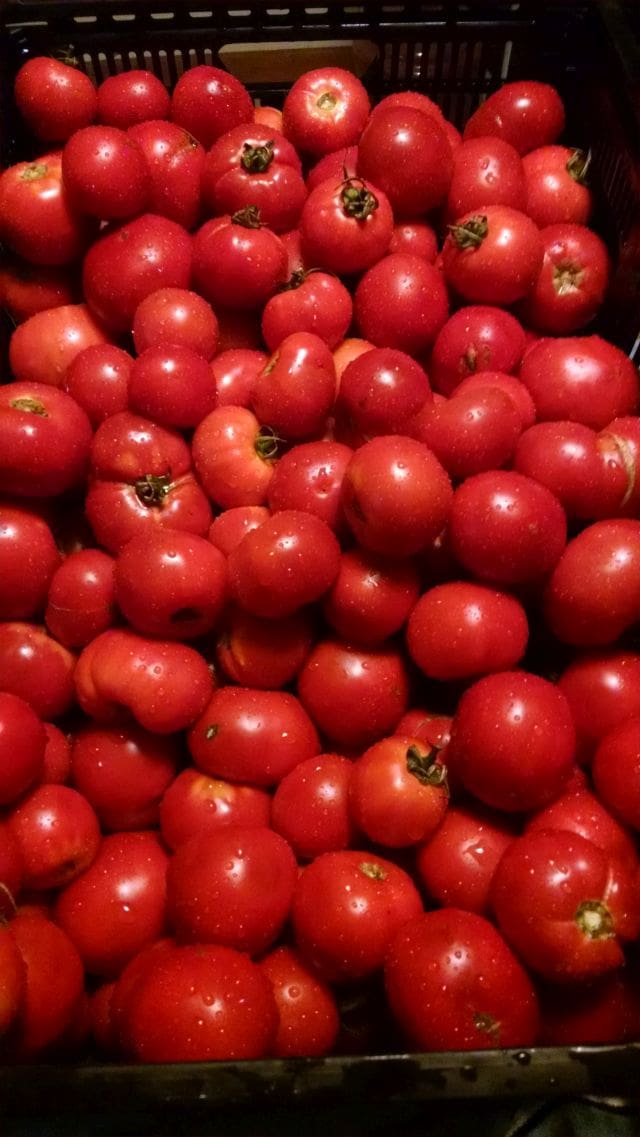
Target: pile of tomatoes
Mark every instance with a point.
(319, 578)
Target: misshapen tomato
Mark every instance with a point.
(254, 165)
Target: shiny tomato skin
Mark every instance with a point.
(585, 470)
(123, 773)
(296, 389)
(455, 865)
(104, 173)
(454, 984)
(58, 833)
(54, 98)
(345, 227)
(195, 803)
(398, 792)
(42, 348)
(34, 666)
(529, 712)
(174, 162)
(44, 440)
(255, 652)
(581, 378)
(582, 1014)
(347, 906)
(401, 302)
(486, 171)
(22, 746)
(476, 338)
(309, 1020)
(572, 282)
(555, 178)
(405, 153)
(57, 756)
(372, 597)
(53, 985)
(208, 101)
(492, 255)
(603, 689)
(29, 558)
(309, 478)
(254, 165)
(354, 695)
(616, 771)
(81, 601)
(233, 457)
(381, 390)
(580, 811)
(310, 806)
(525, 113)
(235, 371)
(508, 385)
(315, 302)
(416, 99)
(338, 164)
(238, 263)
(98, 379)
(324, 110)
(131, 97)
(117, 906)
(229, 527)
(253, 736)
(472, 431)
(172, 385)
(176, 316)
(37, 220)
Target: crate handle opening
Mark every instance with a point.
(284, 62)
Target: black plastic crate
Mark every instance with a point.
(457, 52)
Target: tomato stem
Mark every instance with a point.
(594, 920)
(426, 768)
(35, 171)
(152, 489)
(487, 1024)
(257, 159)
(266, 444)
(578, 166)
(372, 870)
(33, 406)
(249, 217)
(472, 233)
(211, 731)
(358, 201)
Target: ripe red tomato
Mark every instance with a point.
(237, 261)
(585, 470)
(44, 346)
(254, 736)
(315, 302)
(498, 716)
(603, 689)
(208, 102)
(564, 905)
(486, 171)
(474, 430)
(579, 1014)
(44, 440)
(526, 113)
(230, 526)
(310, 807)
(37, 220)
(580, 378)
(453, 984)
(22, 747)
(616, 771)
(175, 316)
(347, 907)
(324, 110)
(405, 153)
(131, 97)
(195, 804)
(123, 773)
(234, 457)
(572, 281)
(98, 379)
(474, 339)
(492, 255)
(235, 371)
(13, 981)
(461, 629)
(309, 478)
(338, 164)
(53, 985)
(34, 666)
(398, 792)
(104, 173)
(456, 863)
(371, 597)
(308, 1012)
(555, 178)
(580, 811)
(57, 756)
(26, 289)
(58, 834)
(346, 226)
(416, 99)
(172, 385)
(81, 601)
(117, 906)
(174, 163)
(249, 654)
(509, 385)
(29, 558)
(296, 389)
(255, 166)
(54, 98)
(401, 302)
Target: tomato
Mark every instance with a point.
(572, 282)
(580, 378)
(434, 729)
(237, 261)
(354, 695)
(54, 98)
(486, 171)
(234, 457)
(255, 166)
(296, 388)
(165, 685)
(593, 593)
(315, 302)
(172, 385)
(174, 163)
(29, 558)
(309, 478)
(57, 756)
(22, 747)
(398, 792)
(401, 302)
(347, 907)
(141, 479)
(474, 339)
(101, 1027)
(37, 220)
(526, 113)
(248, 735)
(104, 173)
(44, 346)
(580, 811)
(461, 629)
(509, 385)
(208, 102)
(123, 773)
(346, 226)
(308, 1011)
(232, 886)
(474, 430)
(564, 905)
(347, 351)
(415, 237)
(199, 1003)
(310, 807)
(195, 804)
(13, 982)
(58, 834)
(495, 718)
(26, 289)
(371, 597)
(493, 255)
(175, 316)
(131, 97)
(290, 560)
(255, 652)
(268, 116)
(405, 153)
(128, 263)
(603, 689)
(616, 771)
(324, 110)
(98, 379)
(582, 1014)
(506, 528)
(396, 495)
(235, 371)
(117, 906)
(37, 668)
(456, 863)
(416, 99)
(53, 985)
(556, 185)
(453, 984)
(230, 526)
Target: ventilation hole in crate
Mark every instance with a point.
(103, 65)
(85, 19)
(162, 15)
(208, 56)
(351, 10)
(386, 62)
(476, 59)
(416, 70)
(163, 64)
(447, 55)
(178, 62)
(201, 15)
(402, 62)
(132, 58)
(123, 17)
(147, 60)
(87, 63)
(461, 61)
(316, 12)
(506, 60)
(393, 8)
(432, 63)
(117, 63)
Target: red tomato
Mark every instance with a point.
(98, 379)
(237, 262)
(338, 164)
(57, 756)
(104, 173)
(235, 371)
(580, 378)
(616, 771)
(308, 1012)
(82, 598)
(254, 736)
(53, 984)
(509, 385)
(58, 834)
(174, 161)
(486, 171)
(416, 99)
(498, 716)
(555, 178)
(401, 302)
(398, 792)
(172, 385)
(572, 281)
(315, 302)
(208, 102)
(230, 526)
(415, 237)
(309, 478)
(199, 1003)
(117, 906)
(461, 629)
(255, 166)
(175, 316)
(310, 807)
(195, 804)
(453, 984)
(603, 689)
(492, 255)
(54, 98)
(29, 558)
(580, 811)
(26, 289)
(345, 226)
(22, 746)
(13, 981)
(123, 773)
(371, 597)
(268, 116)
(582, 1014)
(472, 431)
(564, 905)
(131, 97)
(37, 668)
(44, 440)
(456, 863)
(527, 114)
(434, 729)
(347, 351)
(234, 457)
(37, 220)
(43, 347)
(324, 110)
(128, 263)
(354, 695)
(476, 338)
(249, 653)
(405, 153)
(296, 389)
(347, 907)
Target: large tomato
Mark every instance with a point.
(54, 98)
(43, 347)
(525, 113)
(37, 220)
(346, 226)
(325, 110)
(253, 165)
(405, 153)
(492, 255)
(44, 440)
